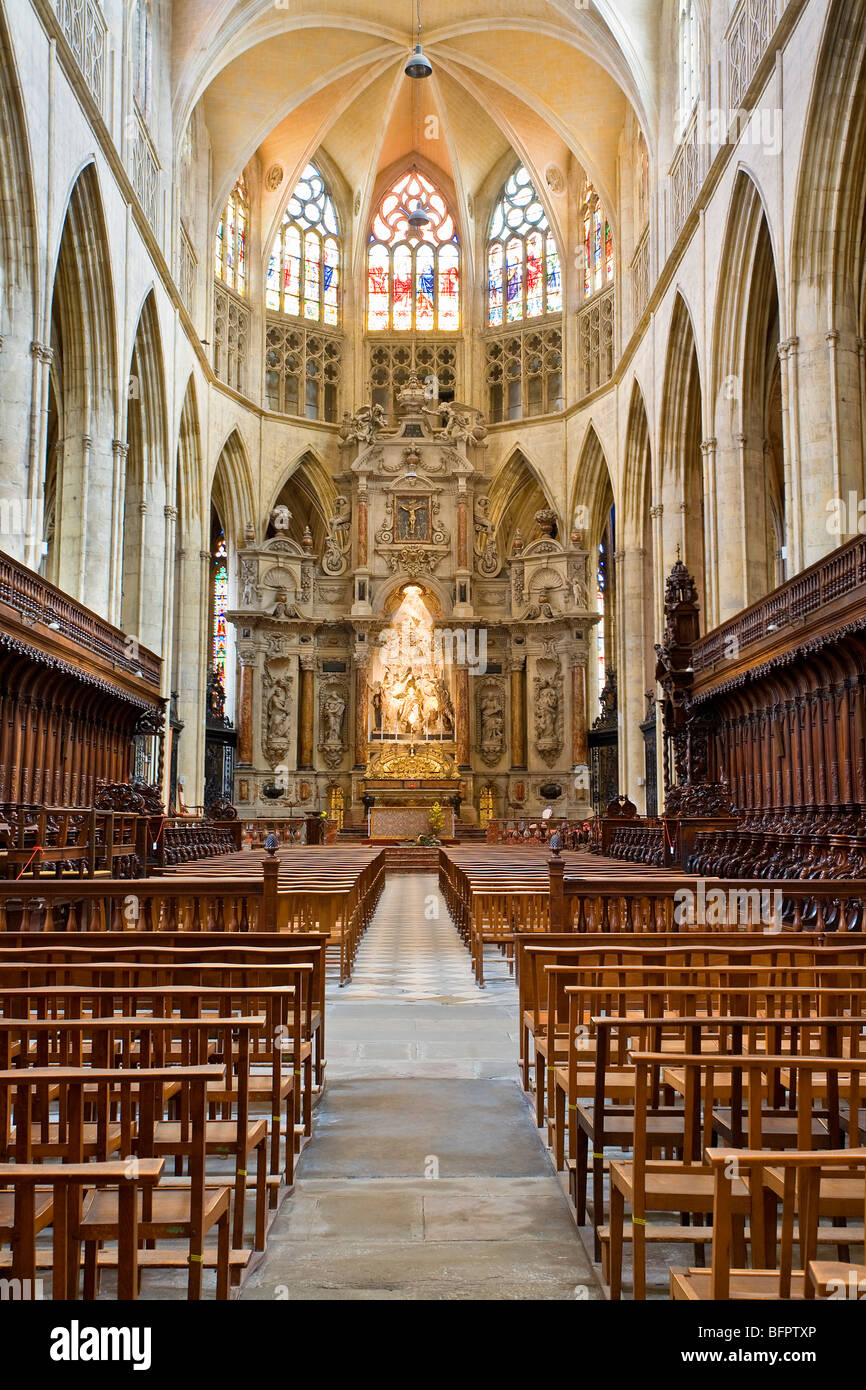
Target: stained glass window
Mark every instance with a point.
(598, 244)
(522, 244)
(599, 631)
(230, 248)
(219, 648)
(413, 274)
(303, 276)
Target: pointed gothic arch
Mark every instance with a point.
(80, 443)
(145, 491)
(750, 466)
(682, 493)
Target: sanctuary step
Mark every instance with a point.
(411, 859)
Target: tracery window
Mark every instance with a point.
(141, 38)
(524, 278)
(597, 244)
(220, 601)
(689, 61)
(304, 269)
(230, 246)
(413, 273)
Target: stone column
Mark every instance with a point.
(120, 452)
(245, 710)
(362, 659)
(361, 596)
(362, 530)
(307, 712)
(462, 561)
(579, 747)
(518, 713)
(464, 760)
(711, 548)
(631, 675)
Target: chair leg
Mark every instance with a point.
(261, 1193)
(223, 1248)
(196, 1255)
(239, 1205)
(558, 1127)
(91, 1269)
(638, 1257)
(617, 1211)
(581, 1159)
(539, 1090)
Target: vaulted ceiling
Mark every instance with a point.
(547, 79)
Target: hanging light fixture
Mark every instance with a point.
(418, 65)
(418, 218)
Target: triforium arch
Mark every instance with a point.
(686, 513)
(823, 364)
(24, 360)
(145, 496)
(83, 453)
(639, 588)
(307, 497)
(516, 495)
(747, 453)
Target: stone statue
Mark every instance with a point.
(338, 540)
(248, 583)
(363, 426)
(278, 721)
(333, 711)
(542, 608)
(491, 721)
(548, 711)
(486, 552)
(463, 424)
(446, 708)
(333, 707)
(283, 609)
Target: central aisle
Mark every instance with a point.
(426, 1178)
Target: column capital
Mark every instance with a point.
(170, 512)
(120, 448)
(709, 445)
(307, 661)
(657, 510)
(42, 351)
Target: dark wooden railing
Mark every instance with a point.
(837, 575)
(37, 601)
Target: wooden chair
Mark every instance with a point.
(33, 1209)
(658, 1186)
(801, 1177)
